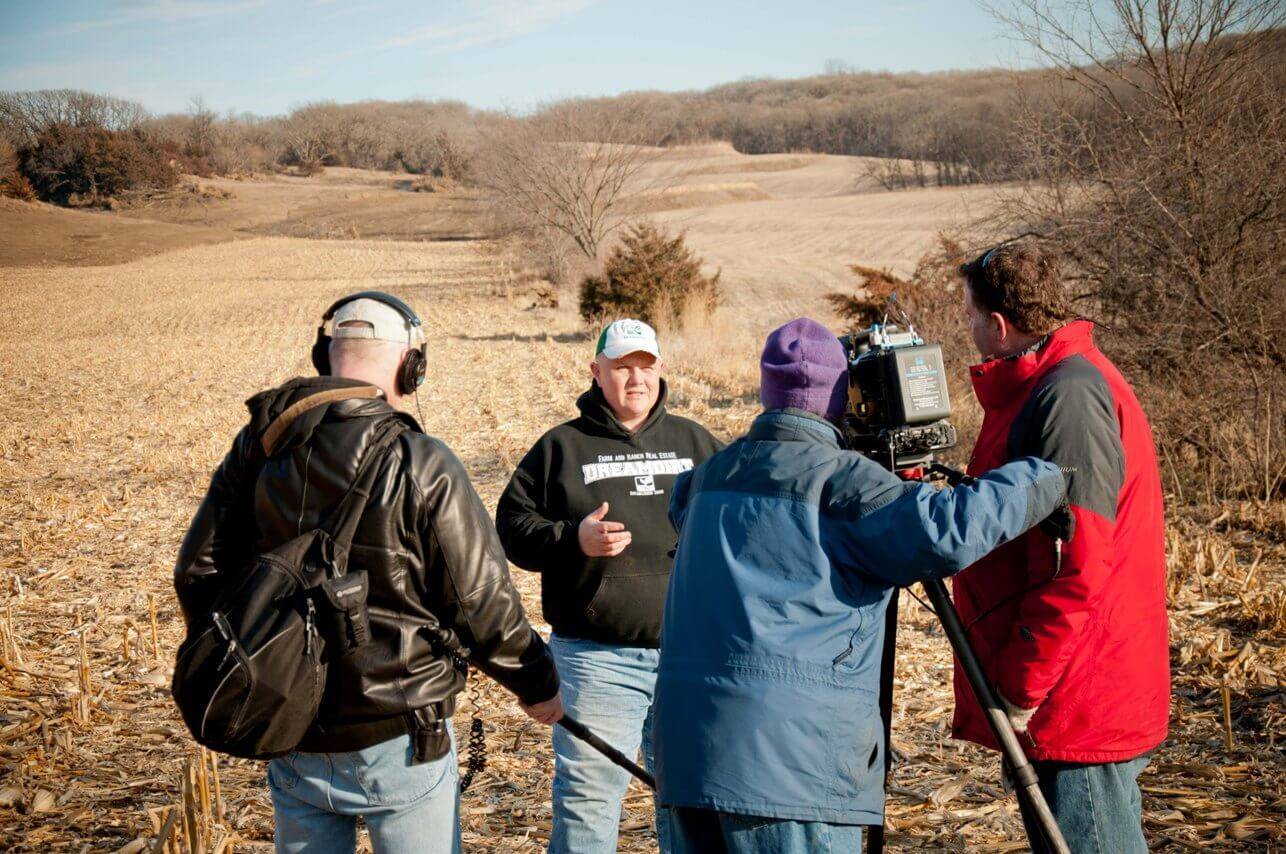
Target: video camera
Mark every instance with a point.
(898, 403)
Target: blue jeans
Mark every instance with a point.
(609, 689)
(698, 831)
(1097, 807)
(408, 809)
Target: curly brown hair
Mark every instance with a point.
(1021, 282)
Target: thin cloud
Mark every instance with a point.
(492, 22)
(162, 11)
(54, 74)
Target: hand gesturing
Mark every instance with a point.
(602, 539)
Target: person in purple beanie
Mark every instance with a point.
(768, 736)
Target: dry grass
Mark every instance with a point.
(124, 387)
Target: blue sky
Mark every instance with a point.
(265, 56)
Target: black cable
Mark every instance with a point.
(477, 760)
(923, 603)
(477, 749)
(417, 407)
(1058, 568)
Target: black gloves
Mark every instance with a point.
(1061, 524)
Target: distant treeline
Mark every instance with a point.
(947, 128)
(432, 138)
(75, 147)
(422, 137)
(952, 127)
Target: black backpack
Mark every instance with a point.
(250, 674)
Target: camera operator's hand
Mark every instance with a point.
(602, 539)
(548, 712)
(1061, 524)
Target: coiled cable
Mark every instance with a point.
(477, 750)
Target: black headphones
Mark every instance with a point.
(410, 373)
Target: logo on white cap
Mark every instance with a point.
(627, 336)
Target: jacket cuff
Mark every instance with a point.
(1046, 493)
(569, 543)
(547, 691)
(538, 690)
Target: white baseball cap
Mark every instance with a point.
(370, 318)
(627, 336)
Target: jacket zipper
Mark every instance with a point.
(835, 662)
(225, 632)
(308, 627)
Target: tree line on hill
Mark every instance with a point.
(66, 144)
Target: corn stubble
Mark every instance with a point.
(124, 387)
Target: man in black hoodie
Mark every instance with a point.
(588, 509)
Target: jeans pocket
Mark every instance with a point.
(282, 774)
(391, 777)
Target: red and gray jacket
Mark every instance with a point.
(1083, 641)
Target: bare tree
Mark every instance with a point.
(1159, 169)
(201, 132)
(26, 114)
(308, 135)
(569, 169)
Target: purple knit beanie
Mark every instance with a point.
(803, 366)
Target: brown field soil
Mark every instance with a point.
(339, 203)
(125, 385)
(336, 203)
(37, 234)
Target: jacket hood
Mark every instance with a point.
(595, 409)
(267, 406)
(1008, 378)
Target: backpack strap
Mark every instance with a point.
(341, 524)
(298, 408)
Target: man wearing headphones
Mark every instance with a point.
(439, 590)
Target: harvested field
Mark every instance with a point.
(125, 386)
(345, 204)
(37, 233)
(805, 244)
(336, 203)
(687, 196)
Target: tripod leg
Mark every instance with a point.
(1026, 784)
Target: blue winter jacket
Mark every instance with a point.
(789, 548)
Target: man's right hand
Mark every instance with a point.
(548, 712)
(1061, 524)
(602, 539)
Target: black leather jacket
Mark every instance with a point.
(438, 577)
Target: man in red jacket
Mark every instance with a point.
(1073, 635)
